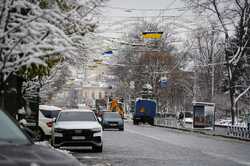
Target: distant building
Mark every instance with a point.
(92, 92)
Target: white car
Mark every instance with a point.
(77, 128)
(45, 120)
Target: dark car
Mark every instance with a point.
(17, 148)
(112, 120)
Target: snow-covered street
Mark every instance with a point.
(150, 146)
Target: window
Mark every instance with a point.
(111, 115)
(9, 132)
(50, 114)
(76, 116)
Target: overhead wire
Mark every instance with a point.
(138, 9)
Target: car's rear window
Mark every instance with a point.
(50, 114)
(76, 116)
(111, 115)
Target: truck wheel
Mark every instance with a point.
(136, 122)
(151, 122)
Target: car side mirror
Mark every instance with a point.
(53, 120)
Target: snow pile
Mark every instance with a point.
(47, 144)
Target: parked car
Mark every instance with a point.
(188, 117)
(45, 120)
(77, 128)
(112, 120)
(17, 148)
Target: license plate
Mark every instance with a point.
(78, 131)
(78, 137)
(113, 124)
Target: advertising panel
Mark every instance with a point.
(203, 115)
(198, 121)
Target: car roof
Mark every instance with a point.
(49, 108)
(77, 110)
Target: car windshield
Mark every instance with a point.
(111, 115)
(50, 114)
(9, 132)
(76, 116)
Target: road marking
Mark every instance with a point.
(205, 152)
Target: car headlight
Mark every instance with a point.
(99, 129)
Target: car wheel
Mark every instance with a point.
(151, 122)
(136, 122)
(121, 129)
(97, 148)
(38, 134)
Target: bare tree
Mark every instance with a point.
(209, 57)
(230, 14)
(143, 64)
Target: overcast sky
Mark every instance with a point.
(117, 13)
(119, 16)
(140, 4)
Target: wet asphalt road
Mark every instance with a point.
(145, 145)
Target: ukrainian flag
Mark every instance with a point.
(152, 35)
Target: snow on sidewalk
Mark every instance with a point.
(47, 144)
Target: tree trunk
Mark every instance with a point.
(231, 88)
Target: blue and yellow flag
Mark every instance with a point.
(152, 35)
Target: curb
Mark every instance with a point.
(204, 133)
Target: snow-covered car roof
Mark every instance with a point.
(49, 108)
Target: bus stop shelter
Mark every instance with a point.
(203, 115)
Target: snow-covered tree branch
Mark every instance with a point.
(36, 35)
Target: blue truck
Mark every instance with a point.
(145, 111)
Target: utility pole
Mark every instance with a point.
(213, 66)
(195, 58)
(195, 74)
(212, 81)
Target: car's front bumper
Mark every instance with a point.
(84, 138)
(60, 142)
